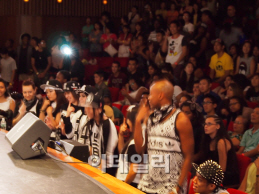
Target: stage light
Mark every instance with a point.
(66, 50)
(105, 2)
(59, 1)
(26, 1)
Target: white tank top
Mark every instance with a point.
(6, 105)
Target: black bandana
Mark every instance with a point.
(160, 114)
(29, 104)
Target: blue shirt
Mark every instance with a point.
(250, 140)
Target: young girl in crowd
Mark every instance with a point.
(102, 133)
(152, 69)
(124, 42)
(184, 98)
(107, 39)
(222, 90)
(217, 146)
(126, 164)
(187, 78)
(6, 101)
(233, 51)
(71, 113)
(50, 111)
(246, 62)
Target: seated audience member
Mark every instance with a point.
(217, 146)
(77, 69)
(108, 39)
(63, 76)
(209, 178)
(30, 102)
(6, 101)
(133, 68)
(239, 127)
(250, 183)
(102, 133)
(184, 98)
(198, 46)
(117, 79)
(152, 69)
(71, 113)
(100, 86)
(166, 69)
(126, 164)
(237, 106)
(124, 42)
(7, 67)
(246, 62)
(196, 91)
(172, 14)
(198, 72)
(118, 116)
(162, 11)
(209, 105)
(221, 63)
(152, 35)
(252, 93)
(94, 38)
(137, 88)
(204, 86)
(9, 46)
(50, 111)
(194, 112)
(250, 138)
(222, 90)
(188, 26)
(233, 52)
(187, 78)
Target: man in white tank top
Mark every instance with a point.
(168, 140)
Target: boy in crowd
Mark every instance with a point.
(100, 86)
(209, 177)
(209, 105)
(204, 86)
(63, 76)
(250, 140)
(221, 64)
(253, 93)
(117, 79)
(133, 68)
(176, 47)
(8, 67)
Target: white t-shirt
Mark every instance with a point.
(177, 91)
(188, 28)
(7, 67)
(175, 46)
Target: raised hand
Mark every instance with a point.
(124, 128)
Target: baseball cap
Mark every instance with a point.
(211, 171)
(220, 41)
(52, 84)
(71, 86)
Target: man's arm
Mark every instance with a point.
(183, 54)
(184, 128)
(251, 153)
(227, 72)
(212, 73)
(164, 45)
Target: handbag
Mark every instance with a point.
(111, 50)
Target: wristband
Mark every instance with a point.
(37, 73)
(243, 154)
(175, 63)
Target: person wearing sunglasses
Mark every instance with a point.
(217, 146)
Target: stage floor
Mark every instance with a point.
(42, 175)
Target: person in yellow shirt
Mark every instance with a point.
(221, 64)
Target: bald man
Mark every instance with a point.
(168, 140)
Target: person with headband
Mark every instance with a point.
(208, 179)
(51, 107)
(102, 133)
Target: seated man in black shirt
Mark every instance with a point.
(253, 93)
(41, 62)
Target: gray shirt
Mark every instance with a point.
(7, 67)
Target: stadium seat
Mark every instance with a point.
(252, 104)
(214, 85)
(123, 61)
(114, 93)
(243, 163)
(225, 122)
(230, 126)
(119, 106)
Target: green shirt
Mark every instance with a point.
(249, 140)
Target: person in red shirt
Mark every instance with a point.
(108, 38)
(117, 79)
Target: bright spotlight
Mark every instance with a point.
(66, 50)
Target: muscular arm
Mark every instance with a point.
(185, 130)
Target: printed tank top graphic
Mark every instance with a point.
(242, 68)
